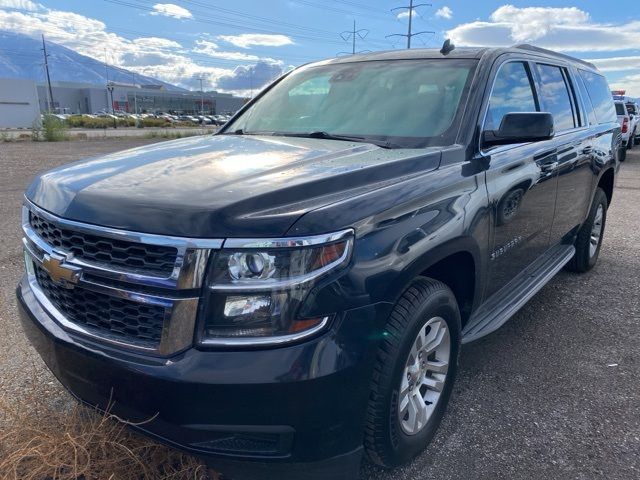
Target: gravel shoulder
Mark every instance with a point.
(554, 394)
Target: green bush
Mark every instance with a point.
(154, 122)
(54, 129)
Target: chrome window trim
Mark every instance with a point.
(286, 242)
(263, 341)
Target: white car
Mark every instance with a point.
(625, 128)
(634, 122)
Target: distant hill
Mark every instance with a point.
(21, 57)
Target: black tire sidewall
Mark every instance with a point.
(403, 447)
(600, 199)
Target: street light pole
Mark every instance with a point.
(110, 87)
(201, 100)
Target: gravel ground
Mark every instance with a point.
(553, 394)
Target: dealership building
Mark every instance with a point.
(22, 100)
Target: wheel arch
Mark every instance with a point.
(606, 182)
(457, 264)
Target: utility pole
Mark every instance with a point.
(46, 67)
(410, 8)
(351, 35)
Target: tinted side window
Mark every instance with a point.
(554, 97)
(512, 92)
(600, 95)
(620, 109)
(586, 100)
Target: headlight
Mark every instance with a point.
(257, 286)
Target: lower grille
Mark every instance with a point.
(120, 318)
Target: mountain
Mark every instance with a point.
(21, 57)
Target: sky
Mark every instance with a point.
(241, 45)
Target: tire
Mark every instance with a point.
(631, 142)
(623, 154)
(587, 252)
(427, 306)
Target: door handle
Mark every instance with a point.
(549, 167)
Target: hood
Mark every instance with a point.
(221, 186)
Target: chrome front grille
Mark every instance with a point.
(136, 291)
(116, 317)
(114, 253)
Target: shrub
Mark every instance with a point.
(154, 122)
(36, 131)
(55, 130)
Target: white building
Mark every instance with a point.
(18, 103)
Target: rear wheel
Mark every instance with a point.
(632, 140)
(414, 373)
(589, 239)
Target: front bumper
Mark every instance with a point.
(297, 411)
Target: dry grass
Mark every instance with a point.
(45, 439)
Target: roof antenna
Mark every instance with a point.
(447, 47)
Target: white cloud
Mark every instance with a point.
(568, 29)
(20, 4)
(247, 40)
(444, 12)
(616, 64)
(405, 14)
(211, 49)
(171, 10)
(629, 83)
(157, 57)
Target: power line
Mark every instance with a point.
(409, 35)
(351, 35)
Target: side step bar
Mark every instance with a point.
(504, 304)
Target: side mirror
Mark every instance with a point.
(519, 127)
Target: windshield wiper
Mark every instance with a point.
(331, 136)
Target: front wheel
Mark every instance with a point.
(414, 373)
(589, 239)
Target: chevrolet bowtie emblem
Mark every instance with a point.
(60, 273)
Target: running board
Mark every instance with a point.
(504, 304)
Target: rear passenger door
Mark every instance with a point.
(521, 181)
(572, 143)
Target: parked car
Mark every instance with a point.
(634, 119)
(625, 131)
(292, 293)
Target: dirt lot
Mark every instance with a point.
(553, 394)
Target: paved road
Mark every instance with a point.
(554, 394)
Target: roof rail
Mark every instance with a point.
(532, 48)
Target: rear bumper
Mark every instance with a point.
(297, 411)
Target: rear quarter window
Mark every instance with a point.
(620, 109)
(600, 95)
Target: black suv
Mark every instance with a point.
(292, 293)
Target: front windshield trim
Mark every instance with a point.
(447, 137)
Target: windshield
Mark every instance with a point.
(407, 103)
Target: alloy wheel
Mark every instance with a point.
(596, 231)
(424, 375)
